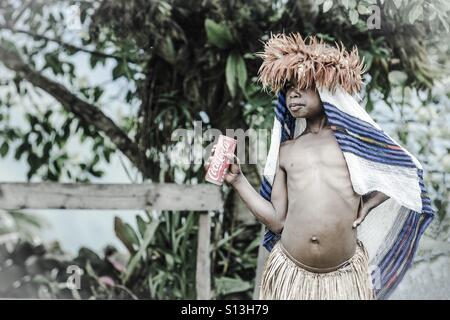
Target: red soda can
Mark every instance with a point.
(216, 169)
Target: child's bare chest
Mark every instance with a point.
(314, 152)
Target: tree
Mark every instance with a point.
(178, 61)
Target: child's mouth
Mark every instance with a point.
(296, 107)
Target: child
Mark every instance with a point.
(329, 165)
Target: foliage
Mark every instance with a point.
(17, 224)
(170, 63)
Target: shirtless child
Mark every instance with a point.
(314, 206)
(329, 165)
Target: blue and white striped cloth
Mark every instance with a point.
(391, 231)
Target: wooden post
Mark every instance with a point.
(262, 257)
(203, 272)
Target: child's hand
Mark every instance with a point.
(374, 199)
(363, 210)
(233, 173)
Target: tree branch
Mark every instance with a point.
(84, 111)
(145, 110)
(66, 45)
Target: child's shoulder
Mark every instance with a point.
(285, 146)
(291, 145)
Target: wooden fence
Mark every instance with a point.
(201, 198)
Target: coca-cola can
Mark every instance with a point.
(218, 164)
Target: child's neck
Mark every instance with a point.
(316, 124)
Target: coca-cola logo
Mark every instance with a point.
(218, 161)
(215, 170)
(216, 165)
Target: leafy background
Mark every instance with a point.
(176, 62)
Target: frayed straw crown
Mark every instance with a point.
(307, 63)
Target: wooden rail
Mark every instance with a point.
(165, 196)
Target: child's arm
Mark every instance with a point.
(272, 214)
(372, 200)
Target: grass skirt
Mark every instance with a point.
(285, 278)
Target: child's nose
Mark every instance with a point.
(294, 94)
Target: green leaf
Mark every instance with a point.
(169, 260)
(17, 81)
(250, 56)
(121, 69)
(241, 72)
(368, 59)
(52, 61)
(218, 34)
(363, 10)
(33, 162)
(353, 15)
(4, 149)
(97, 93)
(95, 160)
(47, 147)
(96, 173)
(325, 36)
(148, 236)
(384, 64)
(21, 150)
(142, 226)
(66, 129)
(129, 96)
(167, 50)
(230, 72)
(94, 59)
(235, 72)
(225, 285)
(107, 154)
(126, 234)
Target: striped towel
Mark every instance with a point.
(391, 231)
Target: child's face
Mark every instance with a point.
(303, 103)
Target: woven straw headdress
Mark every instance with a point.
(308, 62)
